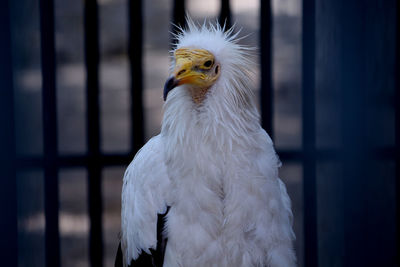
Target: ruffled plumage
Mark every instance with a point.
(217, 169)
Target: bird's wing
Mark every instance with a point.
(144, 195)
(281, 235)
(287, 205)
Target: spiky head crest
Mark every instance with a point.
(236, 60)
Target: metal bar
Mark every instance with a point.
(308, 113)
(93, 131)
(225, 16)
(354, 116)
(50, 131)
(74, 161)
(397, 129)
(386, 153)
(178, 16)
(136, 65)
(8, 183)
(266, 90)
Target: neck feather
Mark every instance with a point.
(222, 116)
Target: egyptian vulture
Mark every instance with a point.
(205, 191)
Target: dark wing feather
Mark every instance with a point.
(144, 260)
(156, 258)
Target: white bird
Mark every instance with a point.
(205, 191)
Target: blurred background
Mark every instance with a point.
(335, 121)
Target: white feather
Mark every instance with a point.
(218, 170)
(143, 197)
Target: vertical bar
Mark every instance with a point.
(50, 131)
(8, 185)
(135, 60)
(266, 92)
(356, 167)
(397, 123)
(93, 131)
(178, 19)
(225, 17)
(308, 112)
(178, 15)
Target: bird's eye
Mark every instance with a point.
(208, 63)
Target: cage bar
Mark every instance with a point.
(47, 38)
(397, 129)
(266, 92)
(356, 162)
(8, 183)
(225, 16)
(178, 16)
(136, 73)
(309, 151)
(93, 131)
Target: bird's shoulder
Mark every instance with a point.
(146, 177)
(264, 147)
(147, 158)
(148, 165)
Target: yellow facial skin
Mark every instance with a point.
(197, 68)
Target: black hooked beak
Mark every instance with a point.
(170, 84)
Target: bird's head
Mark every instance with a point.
(195, 67)
(207, 56)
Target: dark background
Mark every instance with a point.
(72, 104)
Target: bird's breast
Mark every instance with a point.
(200, 219)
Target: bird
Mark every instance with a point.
(206, 190)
